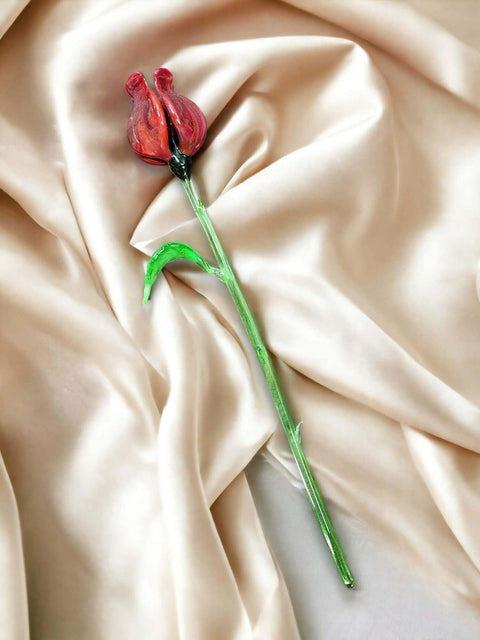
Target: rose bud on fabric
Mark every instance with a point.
(164, 127)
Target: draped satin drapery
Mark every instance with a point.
(341, 171)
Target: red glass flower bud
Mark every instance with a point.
(164, 127)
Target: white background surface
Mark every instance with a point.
(389, 602)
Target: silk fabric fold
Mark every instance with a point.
(341, 171)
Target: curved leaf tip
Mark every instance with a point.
(174, 251)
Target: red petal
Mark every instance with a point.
(147, 126)
(185, 116)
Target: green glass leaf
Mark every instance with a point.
(174, 251)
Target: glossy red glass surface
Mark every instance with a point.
(147, 126)
(162, 117)
(185, 116)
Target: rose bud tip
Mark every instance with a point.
(136, 85)
(163, 79)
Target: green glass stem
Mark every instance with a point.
(292, 431)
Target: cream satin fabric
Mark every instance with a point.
(341, 171)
